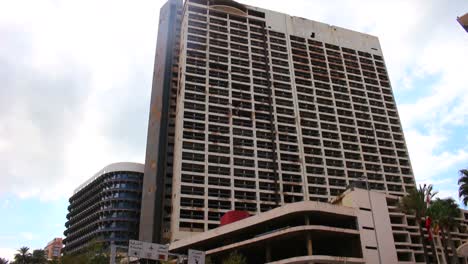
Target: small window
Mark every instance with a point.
(256, 13)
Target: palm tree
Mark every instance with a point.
(3, 261)
(23, 256)
(463, 189)
(444, 212)
(415, 203)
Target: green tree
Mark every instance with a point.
(463, 186)
(235, 258)
(38, 257)
(94, 253)
(4, 261)
(443, 212)
(23, 256)
(415, 203)
(74, 259)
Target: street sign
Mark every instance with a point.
(155, 251)
(162, 252)
(147, 250)
(135, 248)
(196, 257)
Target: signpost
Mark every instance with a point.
(145, 250)
(135, 248)
(196, 257)
(140, 249)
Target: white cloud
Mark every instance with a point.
(28, 236)
(430, 121)
(6, 204)
(77, 78)
(447, 193)
(427, 159)
(8, 253)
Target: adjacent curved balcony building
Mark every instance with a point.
(106, 208)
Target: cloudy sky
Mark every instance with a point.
(75, 80)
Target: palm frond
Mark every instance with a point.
(465, 200)
(463, 176)
(463, 188)
(415, 201)
(444, 212)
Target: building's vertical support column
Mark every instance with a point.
(112, 253)
(153, 193)
(268, 252)
(308, 237)
(309, 244)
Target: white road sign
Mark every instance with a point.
(196, 257)
(163, 252)
(147, 250)
(156, 251)
(135, 248)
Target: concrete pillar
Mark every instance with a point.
(308, 237)
(309, 244)
(112, 253)
(268, 252)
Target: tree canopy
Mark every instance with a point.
(23, 256)
(463, 186)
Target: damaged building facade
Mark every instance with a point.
(253, 109)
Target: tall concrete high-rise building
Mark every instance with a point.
(252, 109)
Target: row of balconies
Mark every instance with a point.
(380, 127)
(306, 141)
(101, 223)
(319, 92)
(377, 119)
(109, 204)
(200, 71)
(88, 213)
(310, 170)
(221, 134)
(244, 28)
(91, 189)
(351, 159)
(336, 58)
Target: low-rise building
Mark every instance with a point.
(54, 248)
